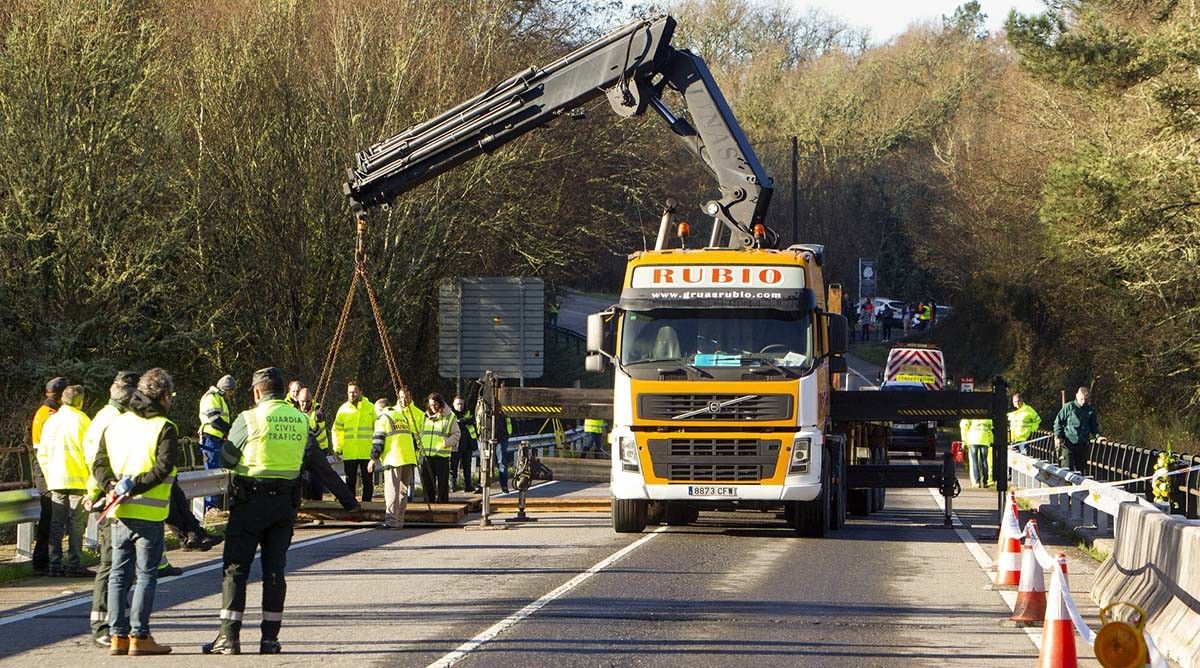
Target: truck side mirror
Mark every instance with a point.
(839, 333)
(595, 334)
(595, 363)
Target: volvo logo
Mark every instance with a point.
(714, 407)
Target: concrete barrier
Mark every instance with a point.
(579, 470)
(1155, 564)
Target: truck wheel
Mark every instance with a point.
(837, 498)
(812, 517)
(676, 513)
(878, 499)
(628, 515)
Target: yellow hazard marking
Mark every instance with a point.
(533, 409)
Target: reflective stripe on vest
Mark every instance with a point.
(132, 444)
(276, 434)
(213, 406)
(317, 429)
(434, 433)
(593, 426)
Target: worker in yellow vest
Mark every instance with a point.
(594, 429)
(468, 439)
(61, 458)
(977, 437)
(266, 449)
(136, 460)
(353, 427)
(40, 559)
(214, 426)
(1022, 422)
(394, 451)
(439, 438)
(320, 474)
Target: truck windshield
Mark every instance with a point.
(733, 337)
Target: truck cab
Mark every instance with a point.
(721, 397)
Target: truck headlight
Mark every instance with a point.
(800, 454)
(629, 455)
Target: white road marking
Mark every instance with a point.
(216, 565)
(985, 562)
(551, 482)
(499, 627)
(868, 384)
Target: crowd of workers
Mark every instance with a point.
(122, 464)
(909, 317)
(1075, 424)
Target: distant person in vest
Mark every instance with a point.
(353, 427)
(293, 395)
(1074, 427)
(1022, 422)
(320, 474)
(266, 449)
(214, 426)
(977, 437)
(394, 452)
(468, 435)
(41, 540)
(136, 463)
(439, 437)
(61, 458)
(594, 428)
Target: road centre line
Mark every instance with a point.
(463, 650)
(216, 565)
(869, 384)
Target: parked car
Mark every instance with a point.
(897, 309)
(919, 437)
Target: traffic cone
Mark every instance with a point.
(1058, 632)
(1010, 526)
(1008, 560)
(1030, 609)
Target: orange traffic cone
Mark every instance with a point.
(1030, 609)
(1058, 633)
(1008, 560)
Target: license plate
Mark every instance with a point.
(710, 490)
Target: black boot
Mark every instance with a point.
(222, 644)
(269, 646)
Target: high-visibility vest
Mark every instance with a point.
(212, 407)
(276, 434)
(593, 426)
(91, 442)
(434, 433)
(60, 454)
(353, 427)
(976, 432)
(1022, 422)
(39, 420)
(399, 434)
(317, 428)
(469, 419)
(132, 444)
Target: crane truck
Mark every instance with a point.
(726, 353)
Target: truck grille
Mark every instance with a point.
(715, 472)
(754, 407)
(713, 459)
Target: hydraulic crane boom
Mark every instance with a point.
(632, 66)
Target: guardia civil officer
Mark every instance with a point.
(266, 450)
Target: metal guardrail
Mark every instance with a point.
(1110, 461)
(1096, 504)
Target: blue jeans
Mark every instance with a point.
(980, 459)
(595, 443)
(211, 447)
(140, 543)
(502, 456)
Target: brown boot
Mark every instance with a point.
(146, 647)
(118, 645)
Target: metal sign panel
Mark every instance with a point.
(495, 324)
(867, 277)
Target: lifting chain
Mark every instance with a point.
(335, 345)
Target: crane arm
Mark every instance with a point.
(631, 66)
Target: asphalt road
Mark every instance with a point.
(890, 589)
